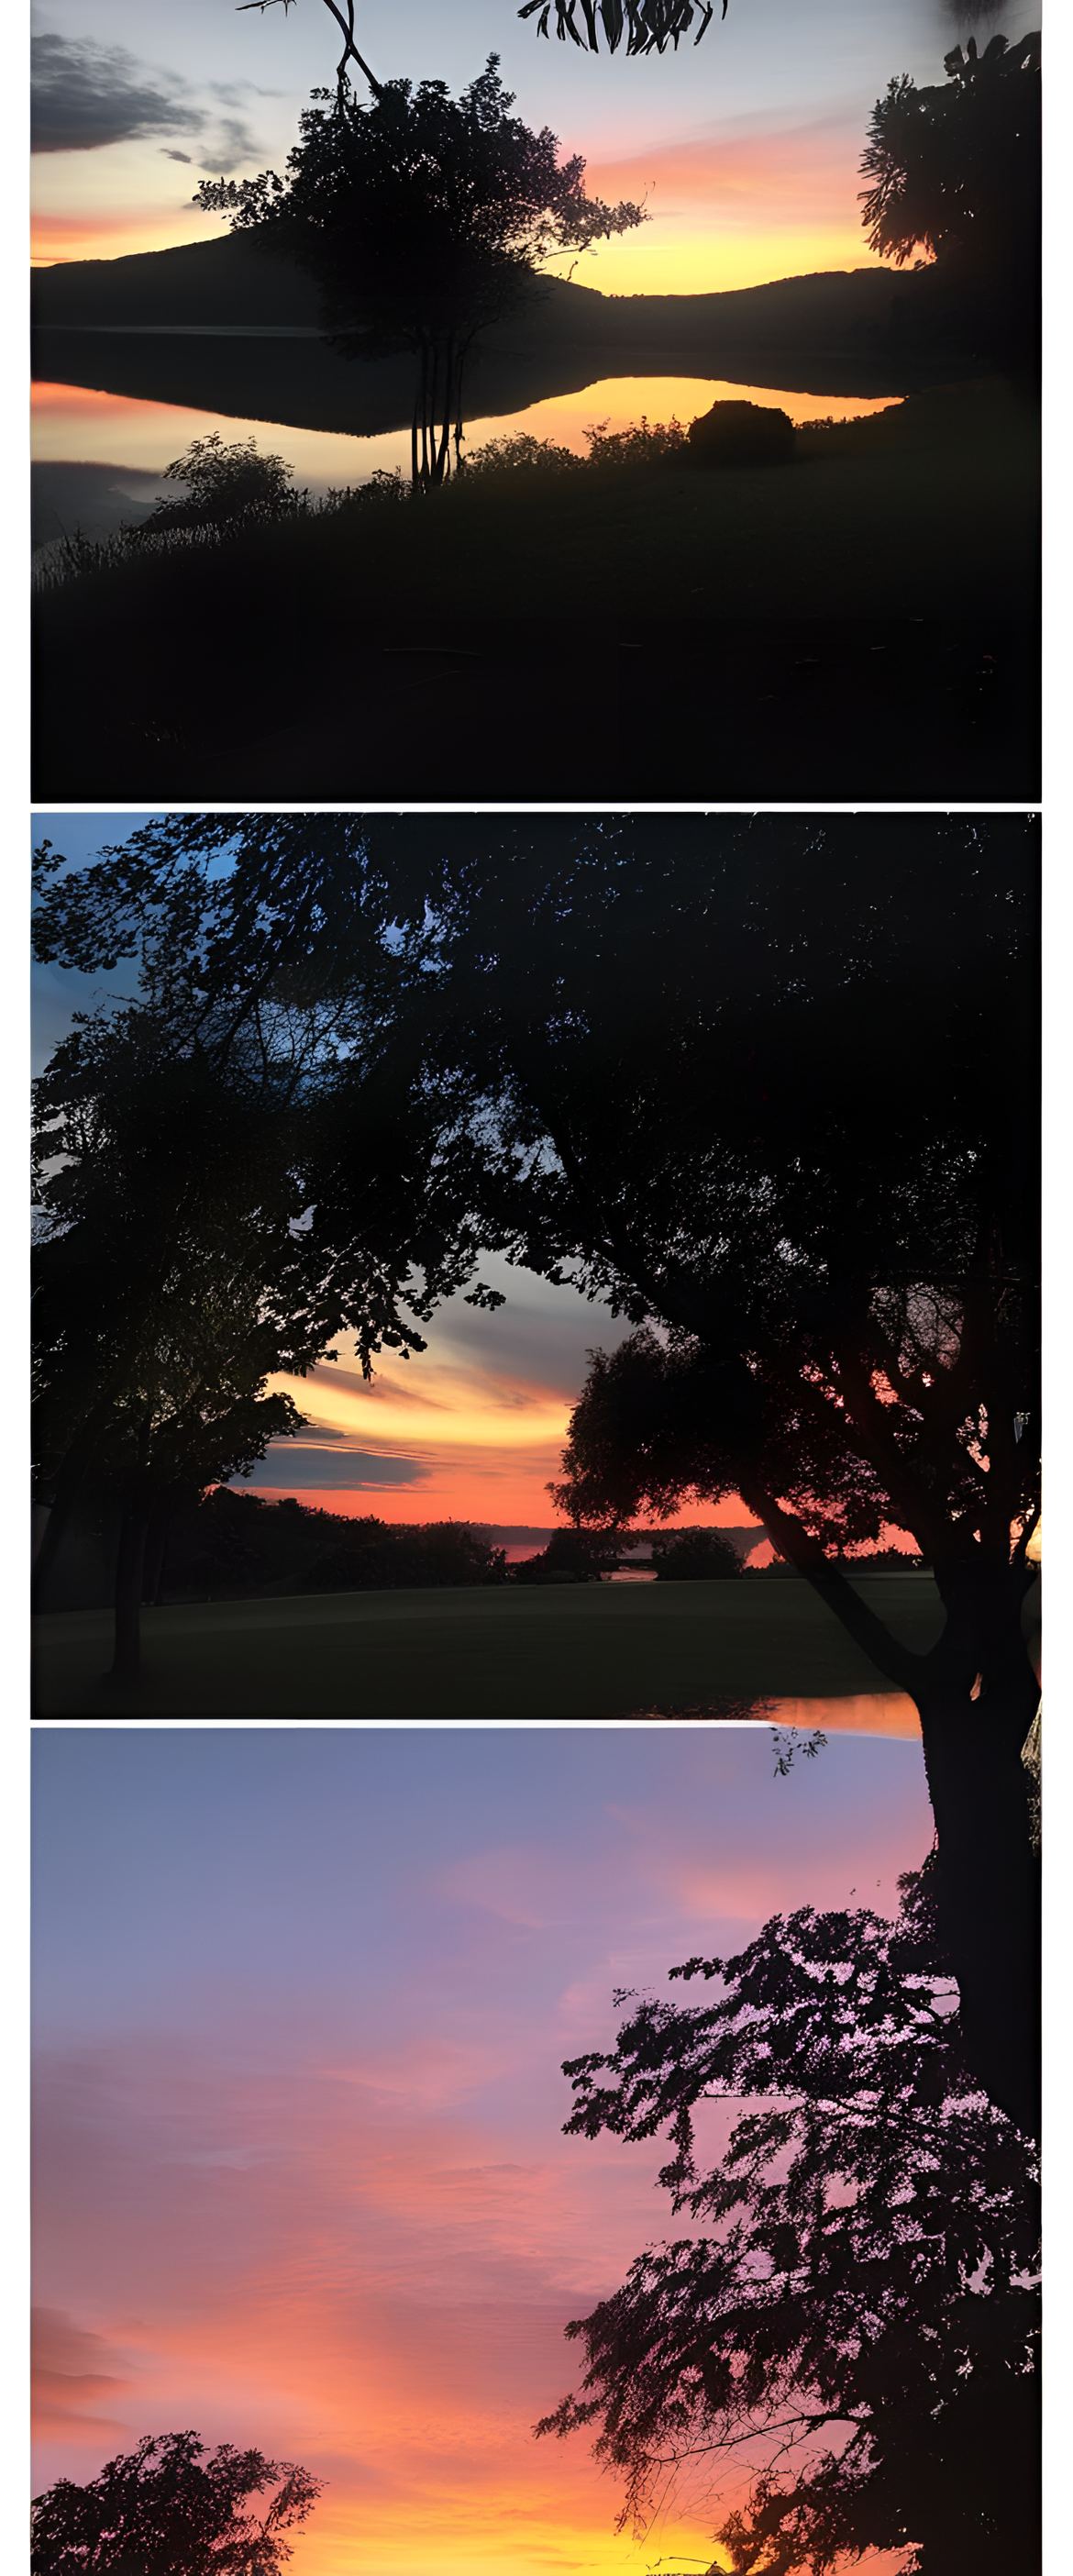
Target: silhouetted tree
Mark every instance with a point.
(574, 1556)
(166, 2509)
(769, 1086)
(856, 2297)
(423, 219)
(958, 172)
(168, 1284)
(694, 1556)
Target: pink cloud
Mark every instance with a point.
(805, 173)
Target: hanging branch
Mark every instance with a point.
(649, 26)
(345, 25)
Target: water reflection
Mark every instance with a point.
(856, 1713)
(79, 424)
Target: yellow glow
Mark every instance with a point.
(618, 401)
(448, 1408)
(689, 258)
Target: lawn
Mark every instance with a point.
(585, 1651)
(860, 623)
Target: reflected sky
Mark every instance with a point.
(73, 423)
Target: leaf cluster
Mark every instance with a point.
(648, 26)
(166, 2509)
(858, 2288)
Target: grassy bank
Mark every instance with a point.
(596, 1651)
(859, 623)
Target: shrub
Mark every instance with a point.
(694, 1556)
(520, 454)
(741, 433)
(573, 1556)
(645, 442)
(224, 485)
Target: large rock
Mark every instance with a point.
(741, 433)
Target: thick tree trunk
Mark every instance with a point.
(989, 1880)
(977, 1694)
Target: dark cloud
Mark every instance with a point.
(170, 155)
(290, 1466)
(85, 95)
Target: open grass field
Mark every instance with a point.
(860, 623)
(585, 1651)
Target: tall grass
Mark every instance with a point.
(168, 535)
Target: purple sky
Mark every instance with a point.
(301, 2003)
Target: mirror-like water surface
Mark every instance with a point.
(76, 424)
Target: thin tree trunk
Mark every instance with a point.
(128, 1591)
(156, 1548)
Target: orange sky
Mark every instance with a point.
(727, 210)
(300, 2172)
(472, 1428)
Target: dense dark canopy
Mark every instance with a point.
(768, 1084)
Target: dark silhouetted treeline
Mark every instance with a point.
(232, 1545)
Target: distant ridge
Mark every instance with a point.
(231, 281)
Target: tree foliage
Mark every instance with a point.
(767, 1085)
(422, 218)
(694, 1556)
(647, 26)
(956, 171)
(224, 486)
(855, 2302)
(167, 2509)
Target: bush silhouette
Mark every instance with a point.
(741, 433)
(694, 1556)
(225, 484)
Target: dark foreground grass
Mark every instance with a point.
(585, 1651)
(861, 623)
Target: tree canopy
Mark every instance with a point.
(956, 171)
(766, 1084)
(167, 2509)
(854, 2310)
(422, 218)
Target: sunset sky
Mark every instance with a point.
(302, 2000)
(473, 1428)
(745, 148)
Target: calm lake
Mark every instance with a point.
(78, 425)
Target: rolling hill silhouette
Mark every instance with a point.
(223, 326)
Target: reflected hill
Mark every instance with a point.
(221, 326)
